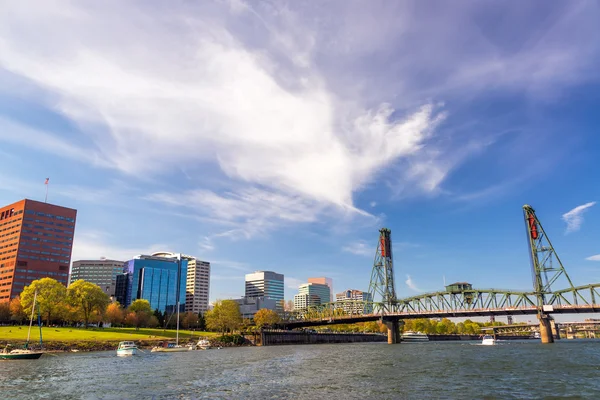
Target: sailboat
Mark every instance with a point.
(25, 353)
(170, 346)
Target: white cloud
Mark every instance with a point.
(361, 248)
(373, 203)
(574, 218)
(594, 258)
(411, 284)
(293, 283)
(93, 245)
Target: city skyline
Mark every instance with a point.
(283, 137)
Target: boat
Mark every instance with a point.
(488, 340)
(203, 344)
(127, 349)
(26, 353)
(536, 335)
(169, 347)
(411, 336)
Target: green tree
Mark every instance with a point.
(51, 296)
(17, 313)
(4, 312)
(201, 322)
(266, 317)
(225, 316)
(139, 314)
(87, 298)
(189, 320)
(160, 317)
(140, 305)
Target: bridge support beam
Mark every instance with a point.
(555, 329)
(393, 329)
(546, 333)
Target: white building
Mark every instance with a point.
(311, 294)
(197, 288)
(101, 272)
(266, 284)
(352, 301)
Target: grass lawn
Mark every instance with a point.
(19, 333)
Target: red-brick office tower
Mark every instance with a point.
(36, 240)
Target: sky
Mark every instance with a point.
(282, 135)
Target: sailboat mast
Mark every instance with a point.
(177, 292)
(31, 319)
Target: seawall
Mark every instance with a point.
(274, 338)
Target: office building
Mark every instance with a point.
(265, 284)
(101, 272)
(197, 283)
(324, 281)
(250, 305)
(352, 301)
(36, 240)
(304, 300)
(160, 280)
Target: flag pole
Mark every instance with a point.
(46, 183)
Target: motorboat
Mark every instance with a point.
(127, 349)
(203, 344)
(411, 336)
(488, 340)
(169, 347)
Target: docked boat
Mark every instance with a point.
(169, 347)
(26, 353)
(127, 349)
(203, 344)
(488, 340)
(411, 336)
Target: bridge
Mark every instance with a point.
(461, 299)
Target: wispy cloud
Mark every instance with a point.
(411, 284)
(360, 247)
(594, 258)
(293, 283)
(94, 244)
(574, 218)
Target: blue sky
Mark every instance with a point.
(282, 135)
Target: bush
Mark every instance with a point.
(235, 339)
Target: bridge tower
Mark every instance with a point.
(382, 275)
(546, 270)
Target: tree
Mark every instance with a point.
(4, 312)
(160, 317)
(225, 316)
(140, 305)
(51, 296)
(189, 320)
(114, 314)
(288, 306)
(201, 322)
(17, 313)
(87, 297)
(266, 317)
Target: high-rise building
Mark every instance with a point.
(311, 294)
(250, 305)
(101, 272)
(353, 301)
(160, 280)
(324, 281)
(197, 283)
(265, 284)
(36, 240)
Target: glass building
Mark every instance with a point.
(266, 284)
(312, 294)
(159, 280)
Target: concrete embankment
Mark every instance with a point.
(273, 338)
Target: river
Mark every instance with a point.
(434, 370)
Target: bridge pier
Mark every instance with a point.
(546, 331)
(555, 329)
(393, 329)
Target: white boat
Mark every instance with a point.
(536, 335)
(127, 349)
(488, 340)
(169, 347)
(203, 344)
(411, 336)
(25, 353)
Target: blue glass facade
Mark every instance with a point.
(159, 280)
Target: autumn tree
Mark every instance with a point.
(17, 313)
(51, 296)
(139, 313)
(225, 316)
(266, 317)
(114, 314)
(189, 320)
(88, 298)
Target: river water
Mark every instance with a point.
(434, 370)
